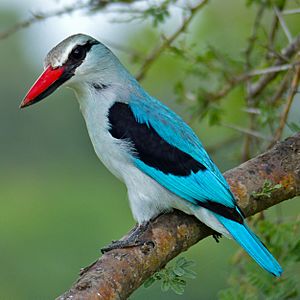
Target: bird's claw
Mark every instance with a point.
(217, 236)
(126, 244)
(132, 240)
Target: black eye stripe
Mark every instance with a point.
(78, 54)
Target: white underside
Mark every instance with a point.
(147, 197)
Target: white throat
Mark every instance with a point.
(95, 105)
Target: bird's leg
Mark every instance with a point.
(216, 235)
(132, 240)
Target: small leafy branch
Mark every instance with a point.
(173, 277)
(267, 190)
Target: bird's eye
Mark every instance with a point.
(78, 53)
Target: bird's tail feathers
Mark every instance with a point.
(251, 243)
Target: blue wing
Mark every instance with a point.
(172, 129)
(204, 186)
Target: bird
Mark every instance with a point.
(145, 144)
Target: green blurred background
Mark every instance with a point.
(58, 204)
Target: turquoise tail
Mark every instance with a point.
(251, 243)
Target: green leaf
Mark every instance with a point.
(190, 274)
(181, 261)
(188, 263)
(172, 277)
(178, 287)
(267, 189)
(165, 285)
(179, 271)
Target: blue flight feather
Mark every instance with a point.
(251, 243)
(200, 186)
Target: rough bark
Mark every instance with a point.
(118, 273)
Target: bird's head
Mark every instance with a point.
(77, 60)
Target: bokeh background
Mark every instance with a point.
(58, 204)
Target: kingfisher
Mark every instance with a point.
(145, 144)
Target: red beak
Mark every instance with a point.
(45, 85)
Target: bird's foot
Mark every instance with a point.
(217, 236)
(125, 244)
(133, 239)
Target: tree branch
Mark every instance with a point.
(288, 105)
(38, 17)
(41, 16)
(119, 272)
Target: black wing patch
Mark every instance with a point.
(223, 210)
(149, 147)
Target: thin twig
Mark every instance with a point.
(280, 90)
(288, 52)
(251, 110)
(283, 25)
(250, 100)
(253, 133)
(239, 79)
(274, 27)
(285, 113)
(273, 69)
(225, 90)
(158, 50)
(38, 17)
(252, 39)
(291, 11)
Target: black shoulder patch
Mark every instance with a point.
(149, 147)
(223, 210)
